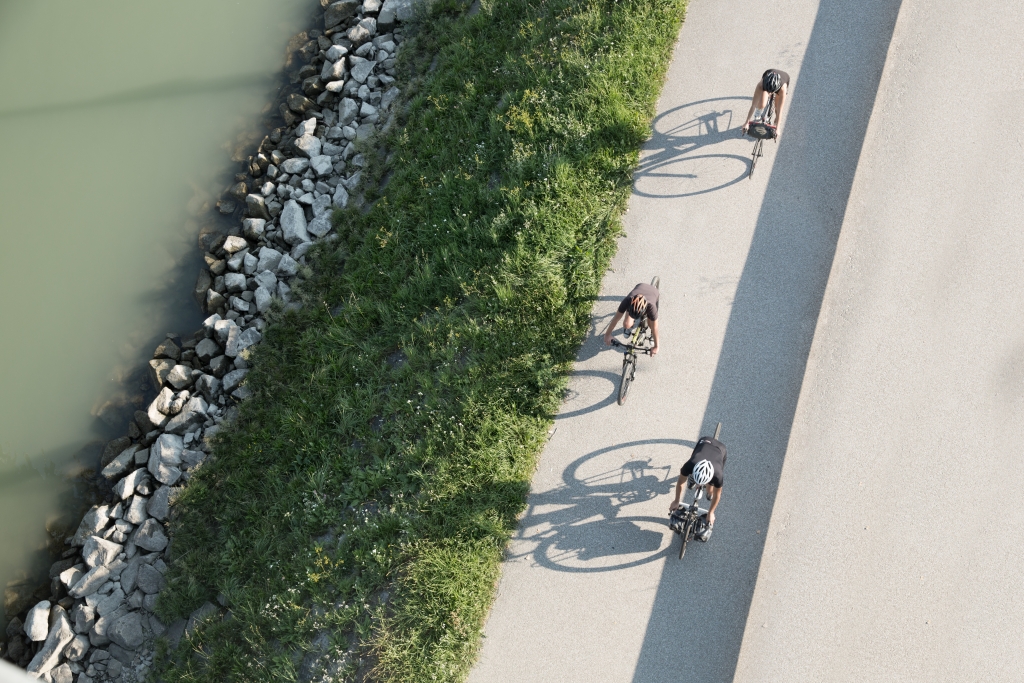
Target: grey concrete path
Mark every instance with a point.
(896, 546)
(592, 590)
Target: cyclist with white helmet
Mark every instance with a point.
(772, 81)
(706, 467)
(642, 301)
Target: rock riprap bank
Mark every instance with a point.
(99, 623)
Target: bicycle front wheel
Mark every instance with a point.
(756, 155)
(685, 536)
(628, 367)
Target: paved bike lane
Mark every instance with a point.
(895, 545)
(592, 589)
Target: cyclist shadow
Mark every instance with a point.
(681, 158)
(583, 525)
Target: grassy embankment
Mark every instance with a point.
(370, 485)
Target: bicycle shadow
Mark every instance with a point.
(669, 167)
(582, 526)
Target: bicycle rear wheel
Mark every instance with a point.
(628, 368)
(755, 157)
(685, 536)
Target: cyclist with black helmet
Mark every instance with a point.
(774, 82)
(642, 301)
(706, 467)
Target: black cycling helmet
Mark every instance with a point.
(637, 306)
(772, 81)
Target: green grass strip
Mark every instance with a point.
(360, 505)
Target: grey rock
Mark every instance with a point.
(150, 581)
(287, 267)
(37, 622)
(58, 638)
(62, 674)
(364, 132)
(293, 225)
(266, 278)
(150, 536)
(84, 616)
(158, 409)
(371, 6)
(90, 582)
(362, 69)
(242, 341)
(192, 459)
(253, 228)
(120, 464)
(220, 365)
(234, 243)
(214, 300)
(159, 503)
(233, 379)
(222, 330)
(335, 87)
(130, 575)
(256, 206)
(193, 412)
(389, 97)
(164, 458)
(159, 367)
(348, 109)
(109, 604)
(167, 349)
(136, 513)
(362, 32)
(77, 648)
(241, 393)
(300, 250)
(306, 198)
(69, 577)
(126, 486)
(98, 552)
(296, 165)
(202, 614)
(234, 282)
(340, 197)
(333, 71)
(180, 376)
(367, 109)
(94, 522)
(338, 12)
(135, 599)
(114, 668)
(308, 145)
(249, 264)
(236, 261)
(321, 225)
(127, 631)
(306, 127)
(269, 258)
(322, 165)
(335, 52)
(321, 205)
(353, 182)
(262, 299)
(206, 349)
(149, 604)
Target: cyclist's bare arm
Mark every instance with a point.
(780, 99)
(654, 331)
(680, 482)
(716, 498)
(611, 326)
(754, 106)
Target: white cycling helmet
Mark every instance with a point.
(702, 473)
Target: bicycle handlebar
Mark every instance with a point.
(628, 347)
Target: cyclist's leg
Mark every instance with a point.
(627, 324)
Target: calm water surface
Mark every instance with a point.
(116, 120)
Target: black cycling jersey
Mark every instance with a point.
(708, 448)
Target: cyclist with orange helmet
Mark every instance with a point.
(642, 301)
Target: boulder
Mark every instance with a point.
(296, 165)
(159, 367)
(167, 349)
(150, 581)
(307, 127)
(233, 379)
(120, 464)
(338, 12)
(98, 552)
(208, 385)
(234, 243)
(180, 376)
(222, 330)
(206, 349)
(256, 206)
(362, 32)
(159, 503)
(160, 407)
(77, 648)
(299, 104)
(333, 71)
(361, 68)
(127, 631)
(150, 536)
(136, 512)
(95, 521)
(240, 342)
(234, 283)
(214, 300)
(389, 97)
(126, 487)
(322, 165)
(111, 603)
(93, 579)
(340, 196)
(269, 258)
(308, 145)
(37, 622)
(253, 228)
(267, 279)
(83, 617)
(293, 225)
(348, 109)
(164, 458)
(194, 412)
(60, 635)
(287, 267)
(62, 673)
(70, 576)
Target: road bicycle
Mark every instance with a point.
(762, 128)
(639, 343)
(683, 520)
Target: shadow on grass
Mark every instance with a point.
(768, 339)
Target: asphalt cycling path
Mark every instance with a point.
(592, 589)
(895, 546)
